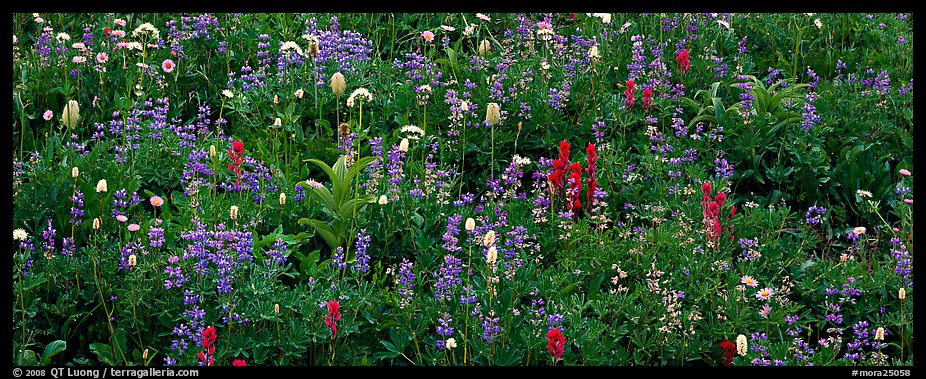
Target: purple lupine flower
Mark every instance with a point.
(447, 277)
(48, 239)
(363, 258)
(490, 328)
(814, 215)
(405, 282)
(277, 253)
(451, 243)
(77, 209)
(443, 329)
(338, 259)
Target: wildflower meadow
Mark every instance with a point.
(462, 189)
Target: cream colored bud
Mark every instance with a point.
(212, 152)
(282, 198)
(902, 293)
(491, 255)
(75, 172)
(382, 200)
(276, 308)
(879, 334)
(493, 115)
(96, 223)
(741, 344)
(101, 186)
(144, 355)
(299, 93)
(489, 238)
(277, 122)
(338, 84)
(70, 116)
(276, 100)
(233, 212)
(132, 260)
(464, 107)
(484, 47)
(403, 145)
(470, 224)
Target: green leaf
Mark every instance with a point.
(568, 290)
(103, 353)
(27, 358)
(326, 232)
(53, 349)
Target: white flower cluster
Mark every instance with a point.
(359, 92)
(145, 29)
(413, 131)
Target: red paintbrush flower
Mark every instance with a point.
(331, 320)
(556, 344)
(729, 350)
(629, 92)
(683, 62)
(647, 98)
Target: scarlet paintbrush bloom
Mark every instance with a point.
(236, 154)
(729, 350)
(682, 60)
(711, 212)
(209, 337)
(556, 344)
(647, 98)
(239, 362)
(559, 168)
(575, 187)
(629, 92)
(238, 147)
(333, 316)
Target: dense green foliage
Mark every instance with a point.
(501, 189)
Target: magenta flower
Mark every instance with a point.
(331, 320)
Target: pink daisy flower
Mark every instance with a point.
(765, 293)
(167, 65)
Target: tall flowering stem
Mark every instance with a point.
(590, 171)
(331, 320)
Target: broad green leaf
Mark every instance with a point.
(53, 349)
